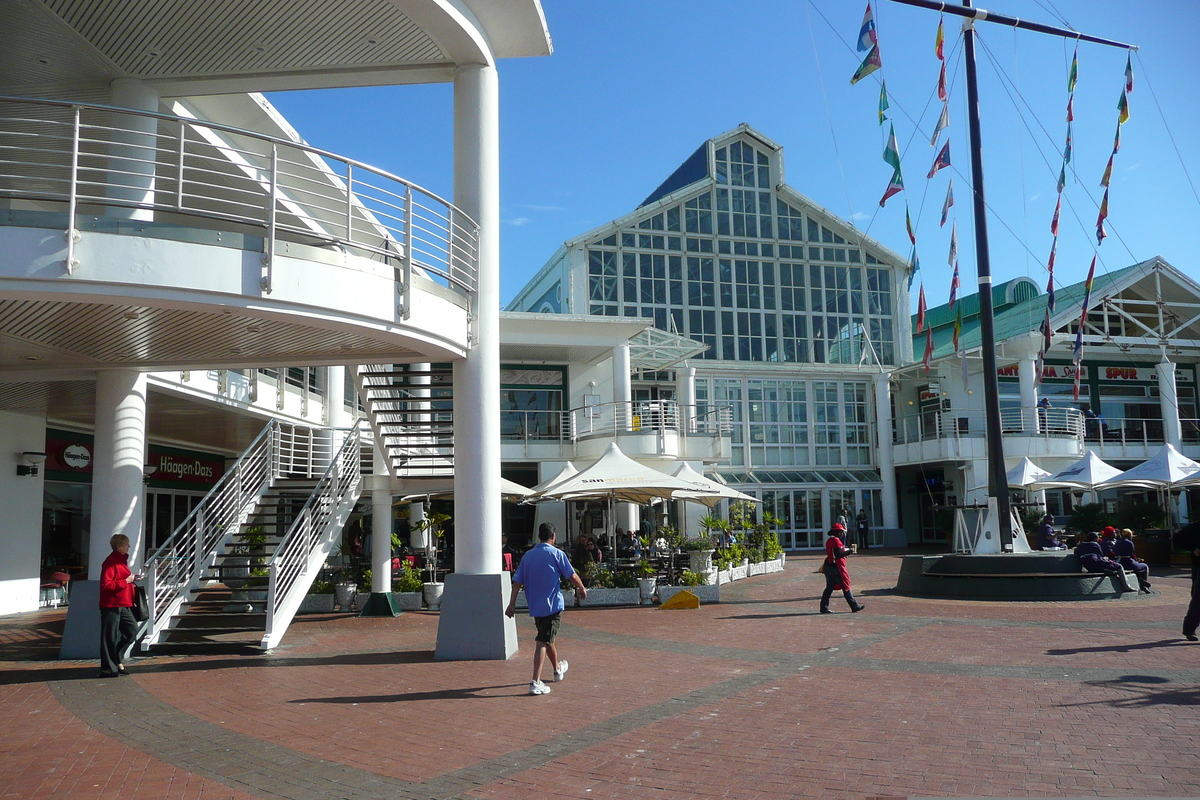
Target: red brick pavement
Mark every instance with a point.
(759, 697)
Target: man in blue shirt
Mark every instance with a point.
(539, 572)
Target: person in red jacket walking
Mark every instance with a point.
(836, 576)
(118, 628)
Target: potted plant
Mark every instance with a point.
(320, 598)
(699, 552)
(345, 589)
(407, 586)
(645, 580)
(366, 583)
(435, 524)
(602, 587)
(247, 553)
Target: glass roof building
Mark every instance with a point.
(801, 314)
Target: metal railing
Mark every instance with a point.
(178, 565)
(181, 564)
(312, 535)
(91, 158)
(1127, 430)
(1051, 423)
(644, 416)
(535, 426)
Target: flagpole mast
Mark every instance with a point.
(997, 480)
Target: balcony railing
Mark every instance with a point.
(1131, 431)
(89, 159)
(610, 419)
(1058, 423)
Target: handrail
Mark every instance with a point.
(84, 154)
(643, 416)
(1130, 430)
(178, 565)
(1055, 423)
(307, 542)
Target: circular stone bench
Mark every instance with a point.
(1011, 576)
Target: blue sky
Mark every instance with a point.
(634, 87)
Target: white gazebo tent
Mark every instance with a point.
(1166, 470)
(1025, 474)
(712, 494)
(1087, 473)
(567, 471)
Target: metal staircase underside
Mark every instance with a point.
(411, 411)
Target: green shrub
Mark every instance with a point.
(1089, 517)
(321, 587)
(645, 569)
(755, 556)
(698, 544)
(1141, 516)
(624, 580)
(771, 547)
(407, 580)
(596, 576)
(364, 581)
(689, 578)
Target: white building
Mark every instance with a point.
(802, 315)
(166, 267)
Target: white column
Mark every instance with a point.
(826, 520)
(131, 175)
(1027, 378)
(622, 387)
(887, 468)
(418, 539)
(118, 462)
(477, 378)
(685, 379)
(1168, 399)
(381, 541)
(472, 624)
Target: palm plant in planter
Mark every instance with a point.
(646, 581)
(407, 586)
(435, 525)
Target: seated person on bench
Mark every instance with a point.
(1126, 556)
(1047, 538)
(1092, 559)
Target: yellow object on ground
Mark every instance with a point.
(684, 599)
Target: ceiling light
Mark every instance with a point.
(33, 358)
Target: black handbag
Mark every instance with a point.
(141, 606)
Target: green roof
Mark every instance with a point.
(1011, 319)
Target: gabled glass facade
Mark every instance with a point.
(755, 278)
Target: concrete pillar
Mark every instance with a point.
(337, 417)
(118, 497)
(1168, 399)
(472, 624)
(887, 468)
(622, 387)
(381, 529)
(1027, 378)
(826, 518)
(132, 154)
(685, 379)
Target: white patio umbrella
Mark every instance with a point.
(444, 487)
(617, 476)
(1086, 473)
(712, 493)
(567, 471)
(1025, 474)
(1167, 469)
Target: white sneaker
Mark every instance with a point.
(561, 671)
(537, 687)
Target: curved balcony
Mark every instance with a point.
(177, 223)
(961, 435)
(653, 429)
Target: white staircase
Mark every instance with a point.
(411, 411)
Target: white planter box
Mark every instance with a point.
(568, 598)
(723, 577)
(611, 597)
(757, 569)
(700, 560)
(408, 601)
(737, 573)
(707, 594)
(316, 604)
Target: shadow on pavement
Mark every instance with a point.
(1118, 648)
(408, 697)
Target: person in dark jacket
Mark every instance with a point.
(118, 628)
(836, 576)
(1092, 559)
(1189, 539)
(862, 523)
(1126, 556)
(1108, 542)
(1047, 538)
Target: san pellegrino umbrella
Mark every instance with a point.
(712, 493)
(567, 471)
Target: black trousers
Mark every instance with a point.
(117, 631)
(1192, 619)
(830, 580)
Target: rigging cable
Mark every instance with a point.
(1171, 136)
(829, 114)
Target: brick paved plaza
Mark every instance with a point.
(738, 700)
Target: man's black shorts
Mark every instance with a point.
(547, 627)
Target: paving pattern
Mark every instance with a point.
(758, 697)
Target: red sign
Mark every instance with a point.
(69, 453)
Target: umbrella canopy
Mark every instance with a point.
(567, 471)
(712, 493)
(1165, 469)
(617, 476)
(1025, 474)
(1086, 473)
(444, 487)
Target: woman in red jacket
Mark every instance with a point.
(118, 628)
(836, 576)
